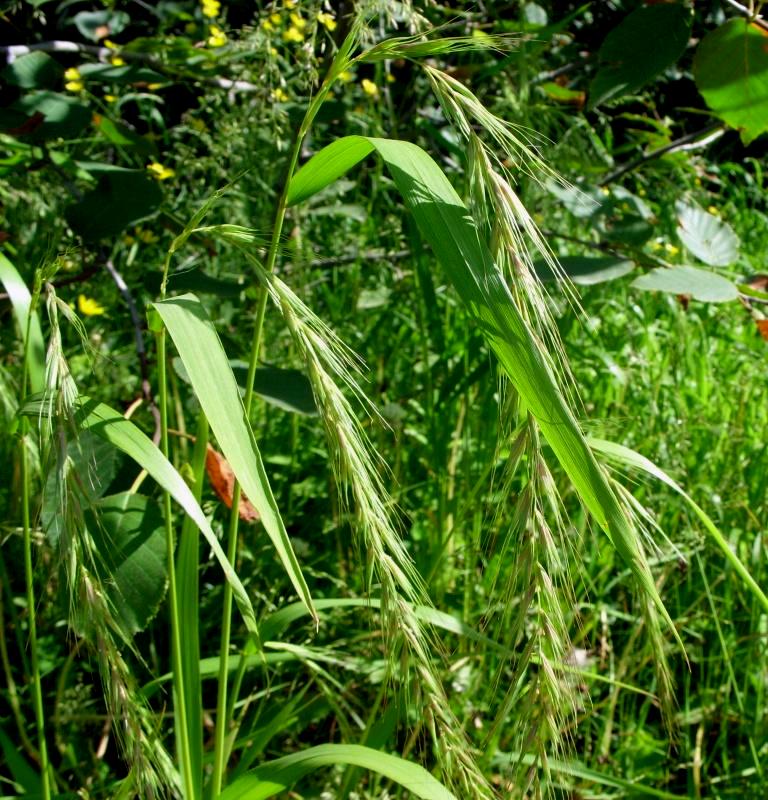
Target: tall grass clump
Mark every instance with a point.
(244, 711)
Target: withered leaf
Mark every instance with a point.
(222, 480)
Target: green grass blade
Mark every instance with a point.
(206, 363)
(632, 458)
(276, 776)
(111, 426)
(446, 224)
(327, 166)
(21, 300)
(187, 586)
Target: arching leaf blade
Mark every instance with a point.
(21, 300)
(276, 776)
(211, 376)
(111, 426)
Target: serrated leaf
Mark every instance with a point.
(636, 50)
(731, 72)
(64, 116)
(111, 426)
(700, 284)
(130, 536)
(706, 236)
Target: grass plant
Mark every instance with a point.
(477, 531)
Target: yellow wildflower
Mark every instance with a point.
(671, 249)
(267, 26)
(346, 76)
(327, 20)
(73, 80)
(109, 44)
(279, 95)
(110, 98)
(217, 37)
(293, 34)
(298, 20)
(275, 19)
(290, 4)
(712, 210)
(116, 61)
(211, 8)
(370, 88)
(273, 52)
(88, 306)
(390, 78)
(153, 87)
(157, 170)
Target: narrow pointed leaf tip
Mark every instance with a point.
(211, 376)
(446, 224)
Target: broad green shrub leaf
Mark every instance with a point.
(33, 71)
(276, 776)
(706, 236)
(586, 270)
(289, 389)
(698, 283)
(95, 463)
(64, 117)
(21, 300)
(646, 42)
(111, 426)
(121, 198)
(97, 25)
(214, 384)
(446, 224)
(130, 536)
(731, 72)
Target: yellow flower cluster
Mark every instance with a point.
(216, 37)
(295, 33)
(211, 8)
(74, 80)
(327, 20)
(159, 171)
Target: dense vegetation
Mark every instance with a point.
(382, 390)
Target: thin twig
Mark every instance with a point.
(742, 9)
(690, 141)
